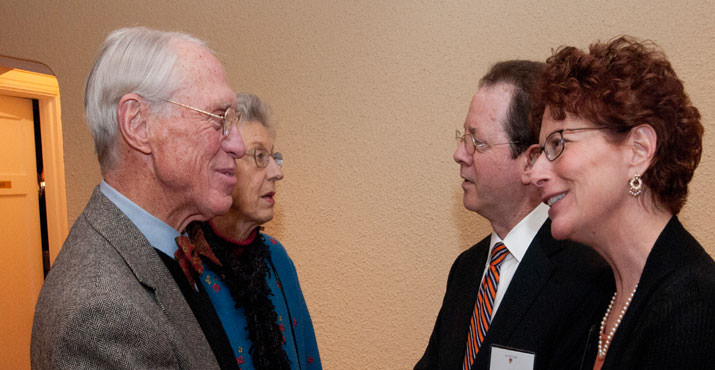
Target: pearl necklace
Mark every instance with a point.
(603, 345)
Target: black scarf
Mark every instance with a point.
(245, 269)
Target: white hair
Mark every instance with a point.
(253, 109)
(132, 60)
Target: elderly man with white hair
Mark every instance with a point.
(162, 116)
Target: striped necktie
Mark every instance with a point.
(483, 307)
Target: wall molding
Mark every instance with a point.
(45, 88)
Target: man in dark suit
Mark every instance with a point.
(537, 304)
(161, 113)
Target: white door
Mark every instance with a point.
(21, 273)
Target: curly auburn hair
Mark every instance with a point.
(621, 84)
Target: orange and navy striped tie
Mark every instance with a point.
(483, 307)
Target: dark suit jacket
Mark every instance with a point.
(109, 302)
(670, 323)
(558, 290)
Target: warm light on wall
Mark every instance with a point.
(44, 88)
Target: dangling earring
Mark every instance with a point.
(635, 185)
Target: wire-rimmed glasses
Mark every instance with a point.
(230, 116)
(262, 157)
(477, 145)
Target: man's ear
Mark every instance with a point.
(131, 119)
(525, 165)
(642, 142)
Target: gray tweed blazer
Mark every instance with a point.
(110, 303)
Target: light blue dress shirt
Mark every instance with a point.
(159, 234)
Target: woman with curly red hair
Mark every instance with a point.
(634, 140)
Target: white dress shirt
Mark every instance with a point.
(517, 241)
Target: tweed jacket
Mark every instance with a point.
(557, 291)
(109, 302)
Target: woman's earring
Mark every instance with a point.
(635, 185)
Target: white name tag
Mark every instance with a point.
(510, 359)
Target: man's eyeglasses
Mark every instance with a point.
(262, 157)
(555, 144)
(230, 116)
(477, 145)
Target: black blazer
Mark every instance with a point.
(670, 323)
(559, 289)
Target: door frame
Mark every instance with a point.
(45, 88)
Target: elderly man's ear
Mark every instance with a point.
(132, 122)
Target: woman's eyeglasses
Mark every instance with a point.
(555, 144)
(263, 157)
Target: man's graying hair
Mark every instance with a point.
(523, 76)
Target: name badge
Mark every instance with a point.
(510, 359)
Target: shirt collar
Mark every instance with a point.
(159, 234)
(519, 238)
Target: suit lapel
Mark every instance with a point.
(531, 276)
(458, 305)
(151, 272)
(479, 260)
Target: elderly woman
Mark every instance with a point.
(620, 141)
(248, 276)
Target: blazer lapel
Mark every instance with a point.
(477, 262)
(531, 276)
(458, 305)
(151, 272)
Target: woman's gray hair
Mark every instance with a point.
(253, 109)
(132, 60)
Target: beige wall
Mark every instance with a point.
(367, 94)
